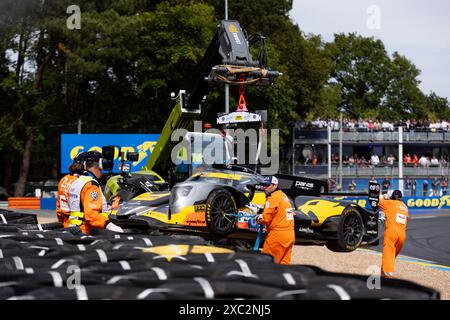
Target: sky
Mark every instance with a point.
(417, 29)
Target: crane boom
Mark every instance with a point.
(227, 60)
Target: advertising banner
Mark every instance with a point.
(73, 144)
(413, 203)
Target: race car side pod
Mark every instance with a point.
(258, 238)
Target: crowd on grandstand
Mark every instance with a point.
(371, 125)
(412, 187)
(390, 160)
(382, 161)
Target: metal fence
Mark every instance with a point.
(376, 171)
(392, 136)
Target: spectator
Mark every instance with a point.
(363, 162)
(434, 162)
(415, 160)
(331, 184)
(424, 162)
(374, 160)
(335, 158)
(352, 186)
(385, 185)
(391, 160)
(414, 188)
(408, 185)
(435, 186)
(424, 187)
(307, 160)
(386, 126)
(444, 186)
(351, 161)
(407, 160)
(443, 162)
(345, 160)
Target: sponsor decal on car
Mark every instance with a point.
(304, 185)
(195, 222)
(372, 221)
(306, 230)
(199, 207)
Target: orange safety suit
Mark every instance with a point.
(88, 207)
(394, 232)
(62, 198)
(278, 217)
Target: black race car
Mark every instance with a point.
(213, 203)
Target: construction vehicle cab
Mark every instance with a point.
(200, 150)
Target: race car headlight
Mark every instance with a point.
(179, 193)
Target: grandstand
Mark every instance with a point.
(371, 149)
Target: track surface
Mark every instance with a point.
(428, 237)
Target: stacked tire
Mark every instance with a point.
(40, 264)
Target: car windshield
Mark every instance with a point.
(238, 180)
(208, 149)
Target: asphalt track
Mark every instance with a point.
(427, 239)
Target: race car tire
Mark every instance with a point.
(220, 212)
(350, 232)
(52, 226)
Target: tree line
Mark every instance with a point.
(117, 71)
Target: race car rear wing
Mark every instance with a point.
(299, 186)
(374, 195)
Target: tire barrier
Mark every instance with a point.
(48, 262)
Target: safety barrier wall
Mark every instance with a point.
(414, 204)
(48, 203)
(30, 203)
(362, 185)
(24, 203)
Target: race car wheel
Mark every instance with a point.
(221, 212)
(350, 231)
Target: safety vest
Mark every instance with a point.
(64, 190)
(76, 216)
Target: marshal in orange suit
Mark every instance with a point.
(278, 217)
(63, 192)
(395, 230)
(63, 198)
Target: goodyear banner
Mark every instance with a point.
(413, 203)
(73, 144)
